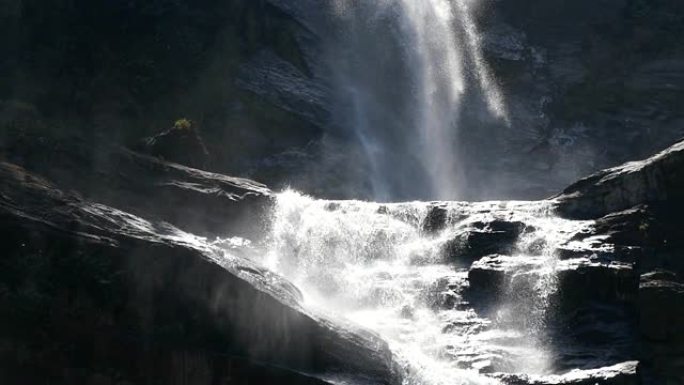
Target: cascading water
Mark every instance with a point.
(401, 70)
(379, 266)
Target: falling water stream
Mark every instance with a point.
(376, 265)
(401, 72)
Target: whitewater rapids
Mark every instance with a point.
(376, 265)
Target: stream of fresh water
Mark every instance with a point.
(401, 71)
(376, 265)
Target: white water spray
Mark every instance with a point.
(375, 265)
(402, 70)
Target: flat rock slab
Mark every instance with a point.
(620, 374)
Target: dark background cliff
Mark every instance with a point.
(590, 84)
(121, 70)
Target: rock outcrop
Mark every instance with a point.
(191, 199)
(93, 295)
(638, 220)
(580, 280)
(661, 316)
(179, 144)
(657, 179)
(483, 238)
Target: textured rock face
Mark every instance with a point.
(620, 374)
(191, 199)
(253, 75)
(575, 108)
(132, 69)
(181, 144)
(90, 293)
(581, 280)
(661, 316)
(638, 206)
(653, 180)
(480, 239)
(661, 304)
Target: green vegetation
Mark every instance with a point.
(183, 124)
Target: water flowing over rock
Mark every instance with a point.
(90, 293)
(417, 293)
(384, 266)
(428, 51)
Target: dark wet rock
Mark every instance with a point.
(661, 306)
(281, 83)
(332, 206)
(580, 280)
(483, 238)
(88, 291)
(180, 144)
(582, 110)
(653, 180)
(625, 373)
(157, 63)
(488, 275)
(592, 334)
(447, 292)
(192, 199)
(661, 316)
(435, 220)
(584, 280)
(651, 236)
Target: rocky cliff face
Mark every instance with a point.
(118, 72)
(589, 85)
(93, 295)
(638, 212)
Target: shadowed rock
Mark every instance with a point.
(194, 200)
(661, 316)
(657, 179)
(179, 144)
(483, 238)
(89, 293)
(580, 280)
(435, 220)
(661, 306)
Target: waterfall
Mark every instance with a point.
(401, 70)
(377, 265)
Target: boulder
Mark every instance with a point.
(91, 294)
(653, 180)
(435, 220)
(483, 238)
(191, 199)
